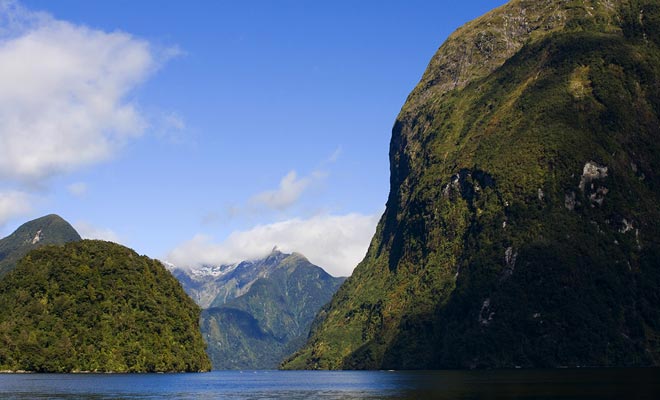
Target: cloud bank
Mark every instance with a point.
(64, 100)
(336, 243)
(64, 93)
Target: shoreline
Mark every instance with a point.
(20, 371)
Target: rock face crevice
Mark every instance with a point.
(519, 226)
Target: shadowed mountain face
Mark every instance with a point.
(263, 309)
(51, 229)
(520, 229)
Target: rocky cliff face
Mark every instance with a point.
(519, 229)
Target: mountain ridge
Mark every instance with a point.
(262, 308)
(212, 285)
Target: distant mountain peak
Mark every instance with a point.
(263, 309)
(49, 229)
(274, 255)
(297, 255)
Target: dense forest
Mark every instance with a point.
(96, 306)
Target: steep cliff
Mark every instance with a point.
(520, 226)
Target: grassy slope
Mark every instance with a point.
(506, 141)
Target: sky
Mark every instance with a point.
(209, 132)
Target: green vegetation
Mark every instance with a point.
(520, 229)
(96, 306)
(272, 319)
(51, 229)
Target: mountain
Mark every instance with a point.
(521, 225)
(96, 306)
(263, 309)
(51, 229)
(215, 285)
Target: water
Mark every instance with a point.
(292, 385)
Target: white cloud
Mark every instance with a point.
(336, 243)
(89, 231)
(290, 190)
(77, 189)
(64, 93)
(13, 204)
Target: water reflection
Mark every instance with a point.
(533, 384)
(468, 385)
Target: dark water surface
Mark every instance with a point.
(291, 385)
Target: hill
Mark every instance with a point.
(96, 306)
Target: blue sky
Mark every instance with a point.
(211, 131)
